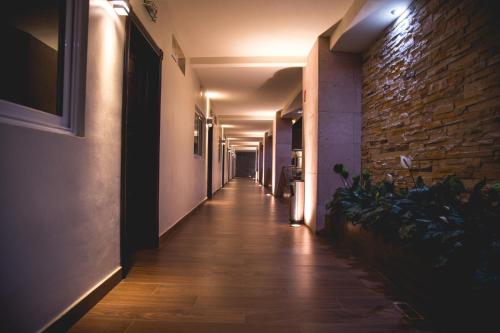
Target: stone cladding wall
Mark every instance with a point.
(431, 90)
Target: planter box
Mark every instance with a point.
(443, 296)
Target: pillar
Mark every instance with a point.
(268, 159)
(332, 86)
(282, 147)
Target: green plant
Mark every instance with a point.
(451, 234)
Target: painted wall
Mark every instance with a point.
(182, 174)
(60, 195)
(432, 91)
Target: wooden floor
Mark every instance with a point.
(235, 266)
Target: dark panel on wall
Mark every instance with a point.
(261, 156)
(268, 160)
(431, 89)
(245, 164)
(29, 71)
(297, 135)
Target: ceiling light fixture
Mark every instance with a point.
(121, 7)
(214, 95)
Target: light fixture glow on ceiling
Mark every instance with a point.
(214, 95)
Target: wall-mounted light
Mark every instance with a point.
(399, 9)
(210, 122)
(121, 7)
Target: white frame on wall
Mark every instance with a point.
(73, 87)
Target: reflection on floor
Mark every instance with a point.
(236, 265)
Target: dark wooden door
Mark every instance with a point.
(223, 163)
(140, 143)
(245, 164)
(210, 160)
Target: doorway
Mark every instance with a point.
(210, 160)
(140, 142)
(245, 164)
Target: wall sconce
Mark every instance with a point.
(152, 9)
(210, 122)
(121, 7)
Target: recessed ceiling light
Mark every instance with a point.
(214, 95)
(121, 7)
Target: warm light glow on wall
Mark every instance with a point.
(253, 134)
(310, 143)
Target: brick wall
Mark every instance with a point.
(431, 89)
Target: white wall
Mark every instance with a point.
(60, 195)
(182, 174)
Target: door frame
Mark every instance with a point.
(132, 19)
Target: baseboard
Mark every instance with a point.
(170, 231)
(79, 308)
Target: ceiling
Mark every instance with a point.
(249, 90)
(248, 54)
(253, 28)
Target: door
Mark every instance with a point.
(140, 143)
(210, 160)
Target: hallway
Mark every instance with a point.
(236, 265)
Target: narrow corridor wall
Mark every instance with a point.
(183, 174)
(60, 195)
(62, 217)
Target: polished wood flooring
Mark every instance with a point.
(236, 265)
